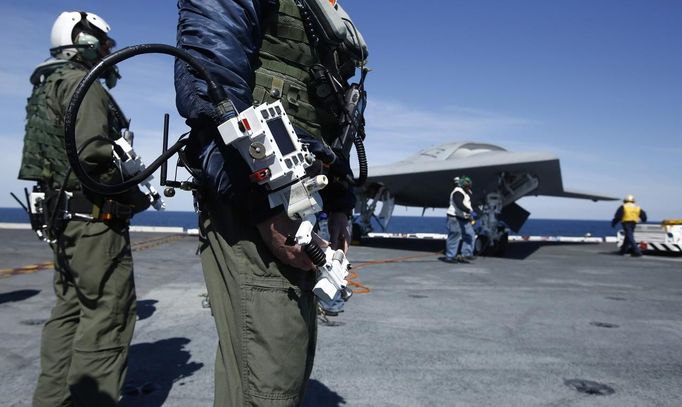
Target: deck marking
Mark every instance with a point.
(363, 289)
(137, 247)
(30, 268)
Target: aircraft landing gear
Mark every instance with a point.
(502, 245)
(367, 201)
(357, 233)
(484, 246)
(481, 245)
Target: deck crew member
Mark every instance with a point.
(629, 214)
(460, 229)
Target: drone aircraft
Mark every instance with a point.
(500, 178)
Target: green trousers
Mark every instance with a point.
(265, 314)
(84, 345)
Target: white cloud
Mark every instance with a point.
(668, 152)
(439, 124)
(395, 130)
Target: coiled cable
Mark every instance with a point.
(224, 109)
(362, 160)
(316, 254)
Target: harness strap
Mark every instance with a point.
(79, 207)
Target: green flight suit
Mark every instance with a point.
(84, 345)
(265, 313)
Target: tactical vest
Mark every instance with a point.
(286, 56)
(43, 158)
(631, 212)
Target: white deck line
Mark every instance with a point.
(6, 225)
(443, 236)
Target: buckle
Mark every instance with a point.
(114, 211)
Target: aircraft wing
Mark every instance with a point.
(582, 195)
(425, 180)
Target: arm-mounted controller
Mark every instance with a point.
(267, 141)
(131, 164)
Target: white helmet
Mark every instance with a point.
(79, 32)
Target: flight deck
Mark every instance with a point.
(552, 323)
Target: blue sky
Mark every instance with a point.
(597, 83)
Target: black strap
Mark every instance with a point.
(79, 203)
(118, 211)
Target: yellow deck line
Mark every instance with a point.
(137, 247)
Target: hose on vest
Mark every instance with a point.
(311, 29)
(362, 160)
(224, 110)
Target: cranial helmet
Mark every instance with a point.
(80, 33)
(456, 180)
(629, 198)
(465, 182)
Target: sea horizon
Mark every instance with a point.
(399, 223)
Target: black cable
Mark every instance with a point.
(24, 207)
(224, 109)
(357, 36)
(314, 38)
(358, 141)
(184, 162)
(362, 160)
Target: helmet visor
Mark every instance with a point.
(106, 46)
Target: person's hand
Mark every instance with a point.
(135, 198)
(274, 232)
(319, 148)
(339, 231)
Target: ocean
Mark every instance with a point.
(399, 224)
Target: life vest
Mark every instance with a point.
(453, 210)
(44, 156)
(631, 212)
(286, 72)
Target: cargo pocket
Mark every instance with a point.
(101, 260)
(275, 338)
